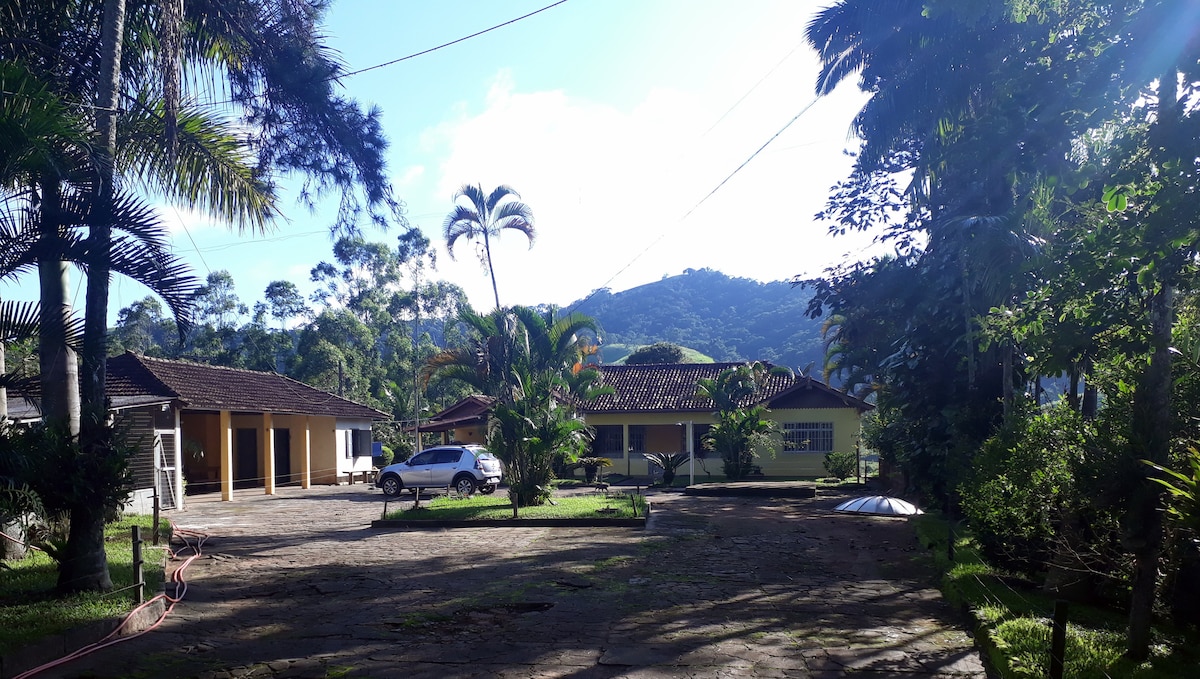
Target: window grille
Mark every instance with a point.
(808, 437)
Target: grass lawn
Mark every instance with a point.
(1015, 622)
(31, 609)
(498, 507)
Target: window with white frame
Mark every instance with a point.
(808, 437)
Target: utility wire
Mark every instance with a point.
(452, 42)
(664, 232)
(752, 88)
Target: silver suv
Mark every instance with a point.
(464, 468)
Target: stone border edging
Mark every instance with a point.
(751, 489)
(57, 646)
(511, 523)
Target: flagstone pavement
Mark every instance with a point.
(299, 585)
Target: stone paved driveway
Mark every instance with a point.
(298, 585)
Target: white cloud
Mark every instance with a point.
(178, 220)
(610, 189)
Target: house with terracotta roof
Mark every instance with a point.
(654, 408)
(219, 428)
(464, 421)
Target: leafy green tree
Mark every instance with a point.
(484, 217)
(657, 353)
(336, 352)
(1077, 121)
(217, 303)
(284, 301)
(142, 328)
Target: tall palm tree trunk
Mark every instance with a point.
(487, 251)
(3, 391)
(86, 564)
(56, 360)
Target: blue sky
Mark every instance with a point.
(612, 118)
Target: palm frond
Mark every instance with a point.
(21, 321)
(474, 194)
(462, 222)
(209, 168)
(166, 275)
(498, 194)
(18, 320)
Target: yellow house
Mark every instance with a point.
(654, 409)
(221, 429)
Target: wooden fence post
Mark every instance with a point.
(139, 581)
(1058, 640)
(157, 513)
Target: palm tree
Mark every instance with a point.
(741, 429)
(484, 218)
(268, 59)
(533, 363)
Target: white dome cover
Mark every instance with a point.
(878, 504)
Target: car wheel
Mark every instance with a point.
(487, 490)
(465, 485)
(391, 485)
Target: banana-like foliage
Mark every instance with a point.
(532, 362)
(742, 431)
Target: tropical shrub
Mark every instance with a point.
(1017, 492)
(741, 432)
(1183, 490)
(592, 466)
(668, 462)
(535, 365)
(46, 476)
(841, 465)
(740, 436)
(1038, 501)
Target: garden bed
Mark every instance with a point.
(592, 510)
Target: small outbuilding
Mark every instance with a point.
(217, 428)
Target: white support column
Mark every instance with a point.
(306, 454)
(691, 455)
(177, 455)
(268, 447)
(625, 449)
(226, 435)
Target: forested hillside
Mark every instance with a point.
(727, 318)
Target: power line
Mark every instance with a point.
(452, 42)
(193, 240)
(753, 87)
(664, 232)
(339, 76)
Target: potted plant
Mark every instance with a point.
(668, 462)
(591, 467)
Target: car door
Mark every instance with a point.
(416, 472)
(444, 466)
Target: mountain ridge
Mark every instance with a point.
(727, 318)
